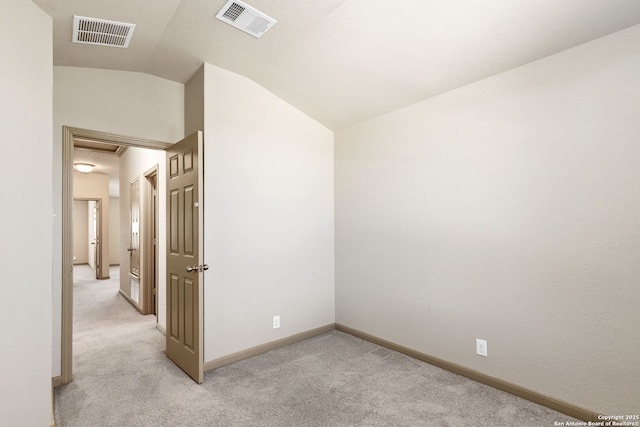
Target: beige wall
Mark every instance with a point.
(505, 210)
(114, 230)
(134, 163)
(26, 214)
(194, 103)
(95, 186)
(80, 232)
(125, 103)
(268, 216)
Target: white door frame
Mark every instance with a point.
(68, 136)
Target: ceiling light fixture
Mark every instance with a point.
(84, 167)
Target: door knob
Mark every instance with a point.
(196, 267)
(130, 249)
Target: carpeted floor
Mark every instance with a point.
(122, 378)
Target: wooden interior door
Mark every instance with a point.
(91, 233)
(184, 255)
(134, 229)
(95, 236)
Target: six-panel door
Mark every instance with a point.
(184, 250)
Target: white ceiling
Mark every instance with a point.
(342, 61)
(107, 164)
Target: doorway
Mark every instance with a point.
(141, 266)
(151, 224)
(71, 134)
(87, 222)
(95, 241)
(134, 240)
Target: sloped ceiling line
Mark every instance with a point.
(343, 61)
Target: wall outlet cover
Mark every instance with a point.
(276, 322)
(481, 348)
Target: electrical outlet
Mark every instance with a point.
(481, 348)
(276, 322)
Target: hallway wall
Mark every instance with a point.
(114, 230)
(268, 216)
(133, 164)
(80, 232)
(25, 124)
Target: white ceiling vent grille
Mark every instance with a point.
(245, 18)
(101, 32)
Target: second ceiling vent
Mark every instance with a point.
(245, 18)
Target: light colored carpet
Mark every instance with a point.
(122, 378)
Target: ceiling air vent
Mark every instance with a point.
(101, 32)
(245, 18)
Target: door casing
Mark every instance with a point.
(150, 243)
(68, 136)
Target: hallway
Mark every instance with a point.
(118, 359)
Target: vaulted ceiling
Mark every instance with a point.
(342, 61)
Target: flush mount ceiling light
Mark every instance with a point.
(245, 18)
(84, 167)
(101, 32)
